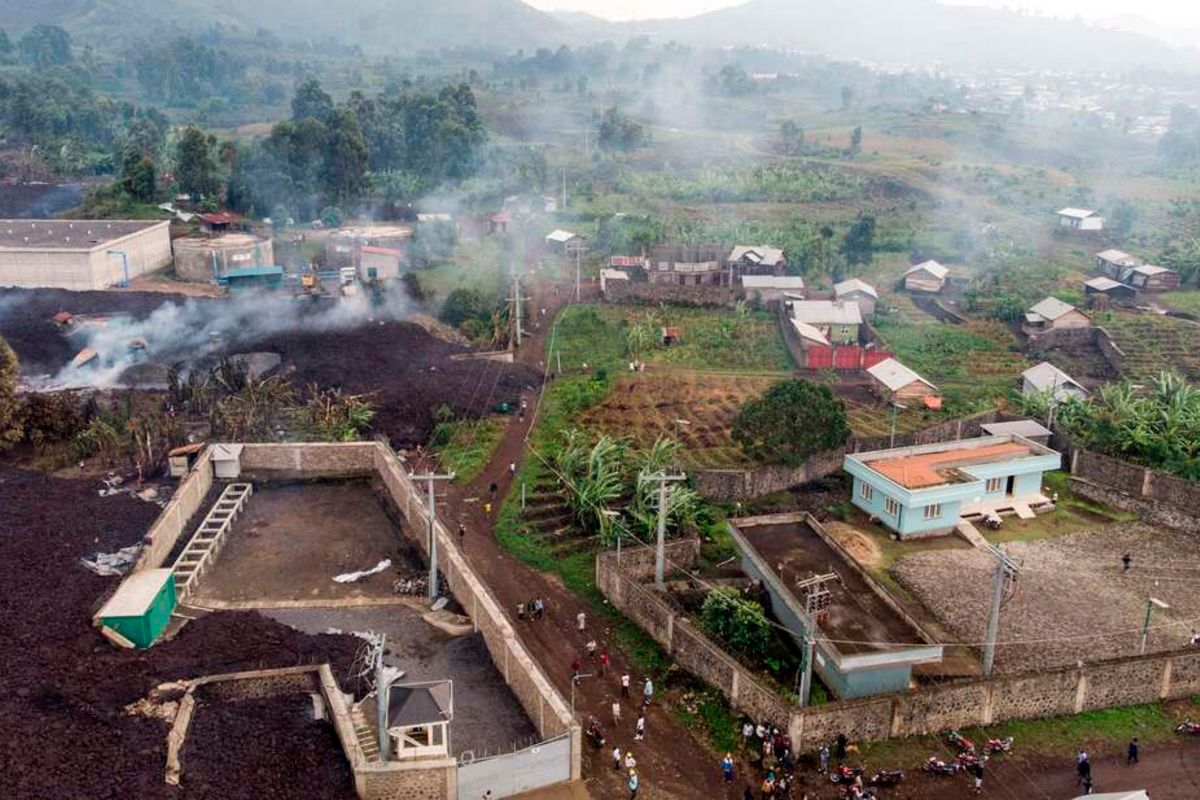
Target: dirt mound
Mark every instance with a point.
(860, 546)
(407, 369)
(62, 687)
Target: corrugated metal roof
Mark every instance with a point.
(1151, 269)
(1077, 213)
(136, 593)
(1045, 376)
(560, 236)
(932, 267)
(1117, 256)
(895, 376)
(1102, 284)
(809, 332)
(1026, 428)
(772, 282)
(854, 285)
(826, 312)
(757, 254)
(1051, 308)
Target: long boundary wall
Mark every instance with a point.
(172, 522)
(927, 709)
(1160, 496)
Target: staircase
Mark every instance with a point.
(367, 738)
(206, 543)
(969, 532)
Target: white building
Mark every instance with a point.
(1080, 219)
(80, 254)
(857, 291)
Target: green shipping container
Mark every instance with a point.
(141, 607)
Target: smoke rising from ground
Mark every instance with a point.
(188, 332)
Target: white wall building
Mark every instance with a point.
(80, 254)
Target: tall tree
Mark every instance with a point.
(345, 157)
(858, 245)
(790, 422)
(138, 176)
(311, 101)
(46, 46)
(855, 141)
(196, 163)
(11, 430)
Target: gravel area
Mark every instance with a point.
(1072, 591)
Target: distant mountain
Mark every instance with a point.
(397, 27)
(913, 32)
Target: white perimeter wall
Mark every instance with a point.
(148, 250)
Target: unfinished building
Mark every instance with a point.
(80, 254)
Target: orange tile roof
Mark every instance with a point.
(927, 469)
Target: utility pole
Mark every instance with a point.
(806, 675)
(381, 700)
(1003, 582)
(429, 478)
(577, 256)
(660, 549)
(516, 301)
(1151, 604)
(817, 599)
(564, 188)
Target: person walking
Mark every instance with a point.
(630, 761)
(1083, 766)
(581, 621)
(647, 691)
(603, 664)
(616, 754)
(841, 746)
(521, 612)
(1131, 756)
(624, 686)
(727, 768)
(575, 665)
(462, 536)
(487, 795)
(616, 712)
(512, 469)
(639, 728)
(591, 649)
(747, 732)
(492, 489)
(1126, 562)
(977, 770)
(824, 754)
(633, 784)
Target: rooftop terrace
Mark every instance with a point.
(946, 463)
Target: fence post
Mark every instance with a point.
(1164, 690)
(1147, 476)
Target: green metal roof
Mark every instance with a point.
(253, 272)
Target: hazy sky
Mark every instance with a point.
(1167, 12)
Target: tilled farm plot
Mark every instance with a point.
(1072, 601)
(1152, 344)
(644, 407)
(63, 687)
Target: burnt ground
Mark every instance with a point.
(407, 371)
(62, 686)
(276, 740)
(292, 539)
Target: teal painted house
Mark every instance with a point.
(925, 490)
(141, 607)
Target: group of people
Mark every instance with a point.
(535, 608)
(773, 750)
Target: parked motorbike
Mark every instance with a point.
(935, 766)
(886, 777)
(844, 774)
(1188, 727)
(995, 746)
(595, 733)
(957, 740)
(968, 759)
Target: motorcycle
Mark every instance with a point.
(957, 740)
(844, 774)
(595, 733)
(967, 760)
(886, 777)
(935, 766)
(995, 746)
(1188, 727)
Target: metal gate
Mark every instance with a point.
(544, 764)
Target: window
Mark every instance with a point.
(866, 491)
(994, 484)
(891, 506)
(372, 273)
(933, 511)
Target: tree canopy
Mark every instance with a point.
(790, 422)
(11, 430)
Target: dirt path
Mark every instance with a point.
(671, 762)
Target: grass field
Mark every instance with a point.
(466, 447)
(1152, 344)
(1186, 302)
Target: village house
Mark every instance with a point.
(929, 490)
(757, 260)
(773, 288)
(896, 383)
(379, 263)
(563, 241)
(1112, 263)
(837, 321)
(1053, 314)
(1045, 377)
(928, 276)
(1149, 278)
(608, 276)
(857, 291)
(702, 265)
(1102, 291)
(1080, 219)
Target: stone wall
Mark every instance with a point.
(653, 293)
(1094, 337)
(928, 709)
(1163, 498)
(173, 520)
(418, 780)
(326, 460)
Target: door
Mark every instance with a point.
(1012, 482)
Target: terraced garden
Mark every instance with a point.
(1153, 344)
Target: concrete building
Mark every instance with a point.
(1053, 314)
(838, 321)
(1080, 219)
(1045, 377)
(928, 276)
(563, 241)
(379, 263)
(857, 291)
(702, 265)
(609, 275)
(772, 288)
(205, 259)
(80, 254)
(1103, 291)
(343, 246)
(926, 490)
(895, 382)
